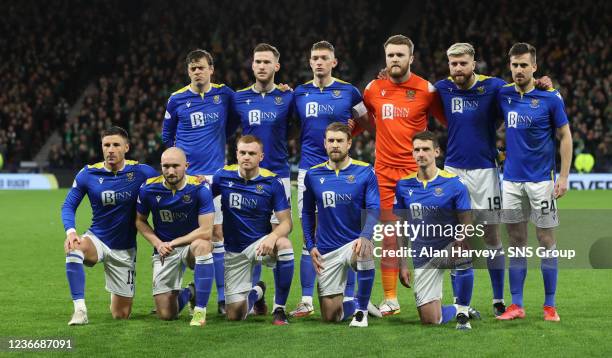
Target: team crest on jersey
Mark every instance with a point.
(438, 192)
(411, 94)
(336, 94)
(158, 198)
(481, 90)
(321, 180)
(259, 188)
(217, 99)
(186, 198)
(278, 100)
(535, 103)
(350, 179)
(100, 180)
(130, 176)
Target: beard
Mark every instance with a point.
(398, 71)
(337, 156)
(173, 180)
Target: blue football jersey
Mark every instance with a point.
(471, 115)
(317, 108)
(431, 204)
(247, 205)
(531, 122)
(266, 116)
(113, 201)
(196, 123)
(175, 212)
(346, 203)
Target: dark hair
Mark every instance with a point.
(249, 138)
(323, 45)
(339, 127)
(264, 47)
(427, 135)
(198, 54)
(521, 48)
(400, 40)
(115, 130)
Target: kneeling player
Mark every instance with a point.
(336, 194)
(249, 196)
(183, 213)
(112, 187)
(434, 198)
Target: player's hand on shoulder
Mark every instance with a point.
(284, 87)
(382, 74)
(317, 259)
(351, 124)
(544, 83)
(202, 179)
(72, 242)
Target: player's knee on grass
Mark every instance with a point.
(166, 305)
(236, 311)
(200, 247)
(121, 307)
(217, 235)
(430, 313)
(331, 308)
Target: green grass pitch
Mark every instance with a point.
(36, 301)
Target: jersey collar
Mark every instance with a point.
(174, 191)
(341, 169)
(425, 182)
(331, 83)
(253, 178)
(262, 92)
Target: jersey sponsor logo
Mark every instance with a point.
(230, 184)
(216, 99)
(509, 100)
(111, 197)
(331, 198)
(336, 94)
(278, 100)
(313, 109)
(535, 103)
(248, 101)
(459, 104)
(390, 111)
(168, 216)
(256, 117)
(416, 211)
(237, 201)
(516, 120)
(382, 93)
(200, 119)
(410, 192)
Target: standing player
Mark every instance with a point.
(336, 194)
(435, 198)
(264, 111)
(183, 214)
(112, 187)
(195, 121)
(249, 196)
(318, 103)
(400, 106)
(533, 118)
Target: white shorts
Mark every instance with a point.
(485, 193)
(301, 189)
(169, 276)
(119, 267)
(332, 279)
(239, 271)
(529, 200)
(217, 202)
(287, 186)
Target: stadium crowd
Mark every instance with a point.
(134, 71)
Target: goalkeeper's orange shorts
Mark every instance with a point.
(387, 180)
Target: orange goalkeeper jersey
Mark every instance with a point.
(400, 111)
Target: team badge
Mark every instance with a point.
(278, 100)
(350, 179)
(535, 103)
(322, 180)
(410, 94)
(158, 198)
(336, 94)
(259, 188)
(438, 192)
(130, 176)
(100, 180)
(186, 198)
(481, 90)
(217, 99)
